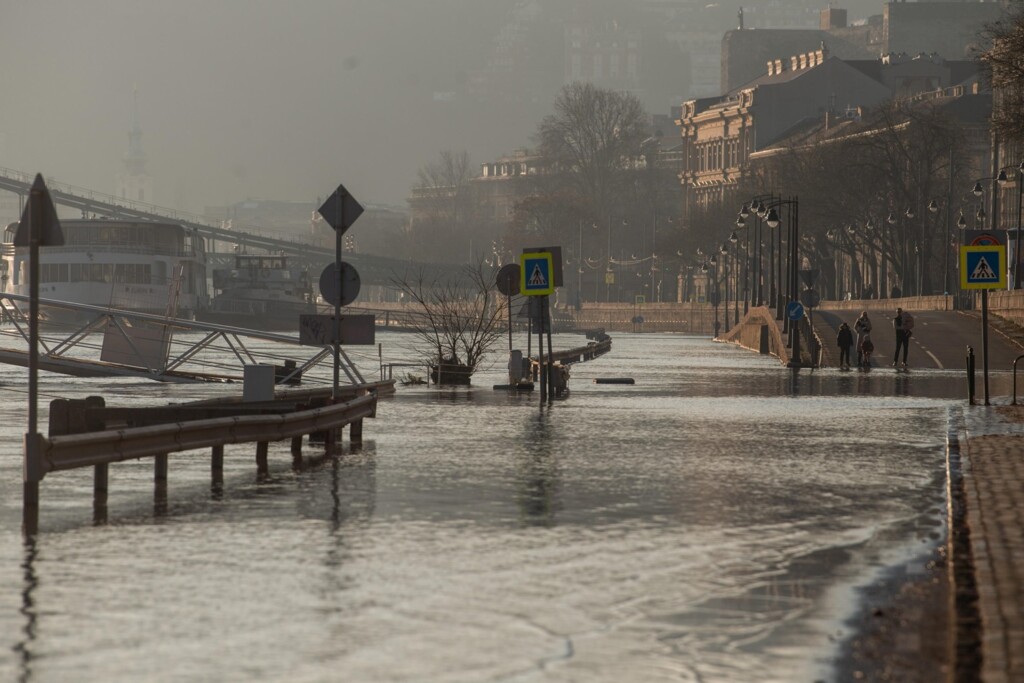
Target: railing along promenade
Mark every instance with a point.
(86, 433)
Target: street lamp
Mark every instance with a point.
(734, 238)
(773, 221)
(724, 251)
(1019, 179)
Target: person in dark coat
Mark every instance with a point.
(845, 341)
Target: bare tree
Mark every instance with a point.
(1004, 61)
(592, 137)
(443, 206)
(458, 320)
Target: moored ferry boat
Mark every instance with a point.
(131, 265)
(260, 292)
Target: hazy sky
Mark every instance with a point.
(240, 98)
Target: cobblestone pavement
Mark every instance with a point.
(994, 491)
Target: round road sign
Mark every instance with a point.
(810, 298)
(508, 279)
(346, 290)
(794, 310)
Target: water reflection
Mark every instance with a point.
(538, 473)
(23, 648)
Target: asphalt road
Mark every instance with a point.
(940, 338)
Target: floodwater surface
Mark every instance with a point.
(709, 523)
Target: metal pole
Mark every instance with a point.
(1016, 240)
(551, 360)
(736, 298)
(946, 238)
(984, 340)
(540, 355)
(31, 472)
(337, 304)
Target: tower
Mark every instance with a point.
(133, 183)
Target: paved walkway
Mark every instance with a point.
(994, 491)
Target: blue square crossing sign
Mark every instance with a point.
(535, 274)
(983, 267)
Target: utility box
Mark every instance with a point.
(258, 383)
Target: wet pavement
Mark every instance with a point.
(993, 470)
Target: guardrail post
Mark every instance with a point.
(217, 465)
(100, 482)
(160, 469)
(356, 433)
(297, 447)
(261, 457)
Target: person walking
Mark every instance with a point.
(863, 328)
(902, 338)
(844, 340)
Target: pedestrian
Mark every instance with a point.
(845, 340)
(867, 347)
(902, 337)
(863, 327)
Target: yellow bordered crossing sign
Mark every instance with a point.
(983, 267)
(536, 272)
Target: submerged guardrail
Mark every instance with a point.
(95, 445)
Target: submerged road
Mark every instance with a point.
(940, 338)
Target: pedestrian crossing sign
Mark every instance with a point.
(983, 267)
(535, 274)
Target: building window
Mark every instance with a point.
(613, 66)
(577, 67)
(631, 65)
(598, 74)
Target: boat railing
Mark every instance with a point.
(118, 248)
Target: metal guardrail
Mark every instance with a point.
(579, 354)
(74, 451)
(101, 448)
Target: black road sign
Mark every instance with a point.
(508, 279)
(809, 276)
(318, 330)
(810, 298)
(329, 284)
(50, 234)
(341, 210)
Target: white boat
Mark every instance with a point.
(139, 266)
(260, 292)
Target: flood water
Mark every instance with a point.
(710, 523)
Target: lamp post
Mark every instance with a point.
(1019, 179)
(741, 222)
(734, 238)
(772, 219)
(724, 251)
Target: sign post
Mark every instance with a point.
(38, 227)
(340, 211)
(983, 266)
(536, 278)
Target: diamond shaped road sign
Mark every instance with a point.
(341, 210)
(50, 234)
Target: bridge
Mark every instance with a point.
(374, 270)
